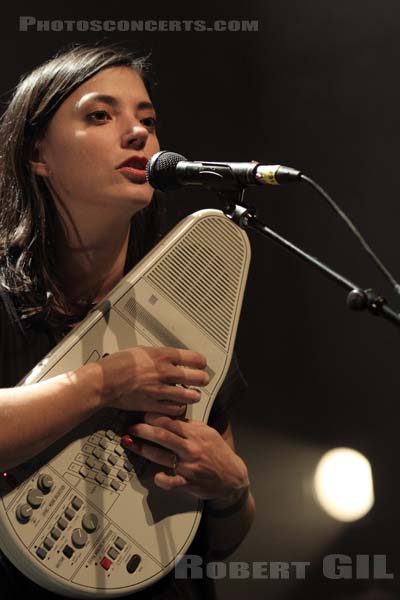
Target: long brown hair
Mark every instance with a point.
(29, 222)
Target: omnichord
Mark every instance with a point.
(84, 519)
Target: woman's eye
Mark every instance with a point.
(98, 116)
(150, 122)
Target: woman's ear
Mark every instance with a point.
(38, 161)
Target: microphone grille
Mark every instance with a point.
(161, 170)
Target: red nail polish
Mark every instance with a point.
(126, 440)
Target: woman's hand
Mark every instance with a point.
(152, 379)
(203, 463)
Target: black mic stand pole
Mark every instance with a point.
(357, 298)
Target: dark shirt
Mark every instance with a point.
(21, 348)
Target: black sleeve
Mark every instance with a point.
(233, 390)
(20, 348)
(7, 340)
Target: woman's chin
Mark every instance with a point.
(134, 199)
(141, 201)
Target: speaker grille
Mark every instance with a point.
(202, 275)
(139, 313)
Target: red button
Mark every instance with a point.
(106, 563)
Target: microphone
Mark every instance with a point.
(168, 171)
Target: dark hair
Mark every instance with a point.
(29, 222)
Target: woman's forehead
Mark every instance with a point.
(113, 82)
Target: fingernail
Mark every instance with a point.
(199, 394)
(127, 441)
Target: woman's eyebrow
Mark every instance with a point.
(110, 100)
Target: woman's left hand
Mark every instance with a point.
(203, 463)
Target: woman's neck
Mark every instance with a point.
(90, 271)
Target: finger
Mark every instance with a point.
(173, 392)
(169, 482)
(160, 436)
(187, 376)
(175, 425)
(173, 409)
(187, 358)
(156, 455)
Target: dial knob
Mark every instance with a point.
(24, 513)
(89, 522)
(35, 498)
(79, 538)
(45, 483)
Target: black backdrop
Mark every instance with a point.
(316, 88)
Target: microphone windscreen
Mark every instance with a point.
(161, 170)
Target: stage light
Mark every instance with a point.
(343, 484)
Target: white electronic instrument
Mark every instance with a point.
(83, 519)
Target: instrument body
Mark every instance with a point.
(83, 519)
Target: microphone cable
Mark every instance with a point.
(353, 229)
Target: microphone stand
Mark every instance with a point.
(357, 297)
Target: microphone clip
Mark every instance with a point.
(235, 207)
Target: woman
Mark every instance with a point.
(76, 214)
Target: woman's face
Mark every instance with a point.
(105, 122)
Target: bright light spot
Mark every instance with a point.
(343, 484)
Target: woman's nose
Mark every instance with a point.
(136, 138)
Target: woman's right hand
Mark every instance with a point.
(152, 379)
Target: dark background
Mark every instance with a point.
(315, 88)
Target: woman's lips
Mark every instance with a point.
(136, 175)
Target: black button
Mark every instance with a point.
(133, 563)
(68, 551)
